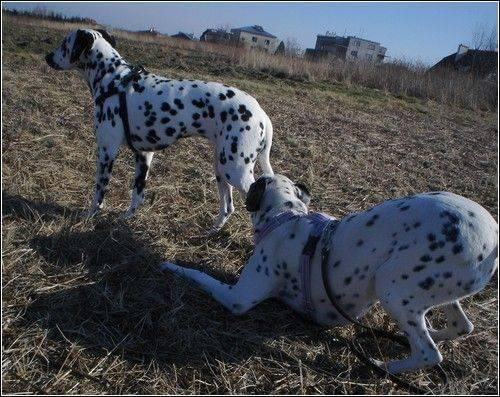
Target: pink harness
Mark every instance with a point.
(319, 223)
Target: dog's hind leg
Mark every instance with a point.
(263, 157)
(252, 287)
(142, 167)
(407, 306)
(457, 323)
(106, 156)
(423, 349)
(226, 207)
(238, 177)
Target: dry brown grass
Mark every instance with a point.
(85, 308)
(403, 79)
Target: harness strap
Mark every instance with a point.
(319, 221)
(134, 74)
(124, 116)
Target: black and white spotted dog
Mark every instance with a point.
(150, 113)
(411, 254)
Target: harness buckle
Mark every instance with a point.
(134, 74)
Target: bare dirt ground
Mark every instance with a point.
(85, 307)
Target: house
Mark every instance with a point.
(184, 36)
(255, 37)
(480, 63)
(216, 36)
(351, 48)
(151, 31)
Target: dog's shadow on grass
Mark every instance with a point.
(124, 304)
(21, 207)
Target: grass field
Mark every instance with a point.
(85, 308)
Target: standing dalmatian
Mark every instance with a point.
(411, 254)
(150, 113)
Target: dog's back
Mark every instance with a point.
(434, 248)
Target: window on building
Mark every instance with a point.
(268, 42)
(371, 47)
(254, 39)
(368, 56)
(354, 54)
(358, 43)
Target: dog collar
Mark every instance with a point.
(275, 222)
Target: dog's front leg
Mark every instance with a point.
(253, 286)
(142, 167)
(106, 156)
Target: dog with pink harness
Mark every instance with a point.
(411, 254)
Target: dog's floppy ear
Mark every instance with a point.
(108, 37)
(254, 195)
(83, 42)
(303, 193)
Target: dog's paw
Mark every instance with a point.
(379, 364)
(213, 231)
(391, 368)
(168, 266)
(173, 268)
(128, 215)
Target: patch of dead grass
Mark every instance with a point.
(85, 308)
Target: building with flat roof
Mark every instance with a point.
(350, 48)
(216, 36)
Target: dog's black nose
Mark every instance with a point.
(49, 58)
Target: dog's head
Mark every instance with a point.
(76, 46)
(277, 192)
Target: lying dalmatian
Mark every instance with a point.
(411, 254)
(150, 113)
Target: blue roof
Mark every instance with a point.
(255, 29)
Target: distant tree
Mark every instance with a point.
(292, 47)
(41, 11)
(223, 28)
(281, 49)
(484, 38)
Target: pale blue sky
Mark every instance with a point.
(414, 31)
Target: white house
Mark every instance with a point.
(256, 37)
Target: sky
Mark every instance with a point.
(423, 32)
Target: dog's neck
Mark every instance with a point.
(103, 68)
(262, 217)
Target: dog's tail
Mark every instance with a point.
(263, 158)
